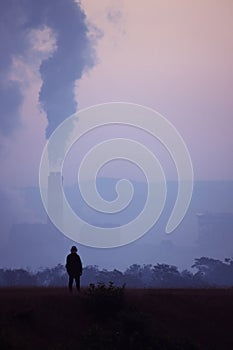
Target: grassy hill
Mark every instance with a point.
(53, 319)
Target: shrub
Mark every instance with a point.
(105, 300)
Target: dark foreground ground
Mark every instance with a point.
(41, 318)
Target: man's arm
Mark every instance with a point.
(67, 263)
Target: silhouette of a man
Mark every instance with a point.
(74, 268)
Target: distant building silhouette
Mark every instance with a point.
(215, 230)
(36, 245)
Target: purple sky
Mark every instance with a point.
(176, 57)
(60, 56)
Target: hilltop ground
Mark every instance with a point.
(52, 319)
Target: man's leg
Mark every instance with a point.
(70, 283)
(77, 281)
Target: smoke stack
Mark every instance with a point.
(55, 197)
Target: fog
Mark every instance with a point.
(30, 240)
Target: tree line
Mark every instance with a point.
(206, 272)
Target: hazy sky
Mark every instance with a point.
(59, 56)
(174, 56)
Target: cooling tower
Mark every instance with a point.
(55, 197)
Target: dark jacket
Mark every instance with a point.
(74, 264)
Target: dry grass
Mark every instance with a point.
(51, 318)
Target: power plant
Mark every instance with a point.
(55, 198)
(215, 230)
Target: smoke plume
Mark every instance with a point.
(73, 55)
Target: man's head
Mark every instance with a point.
(73, 249)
